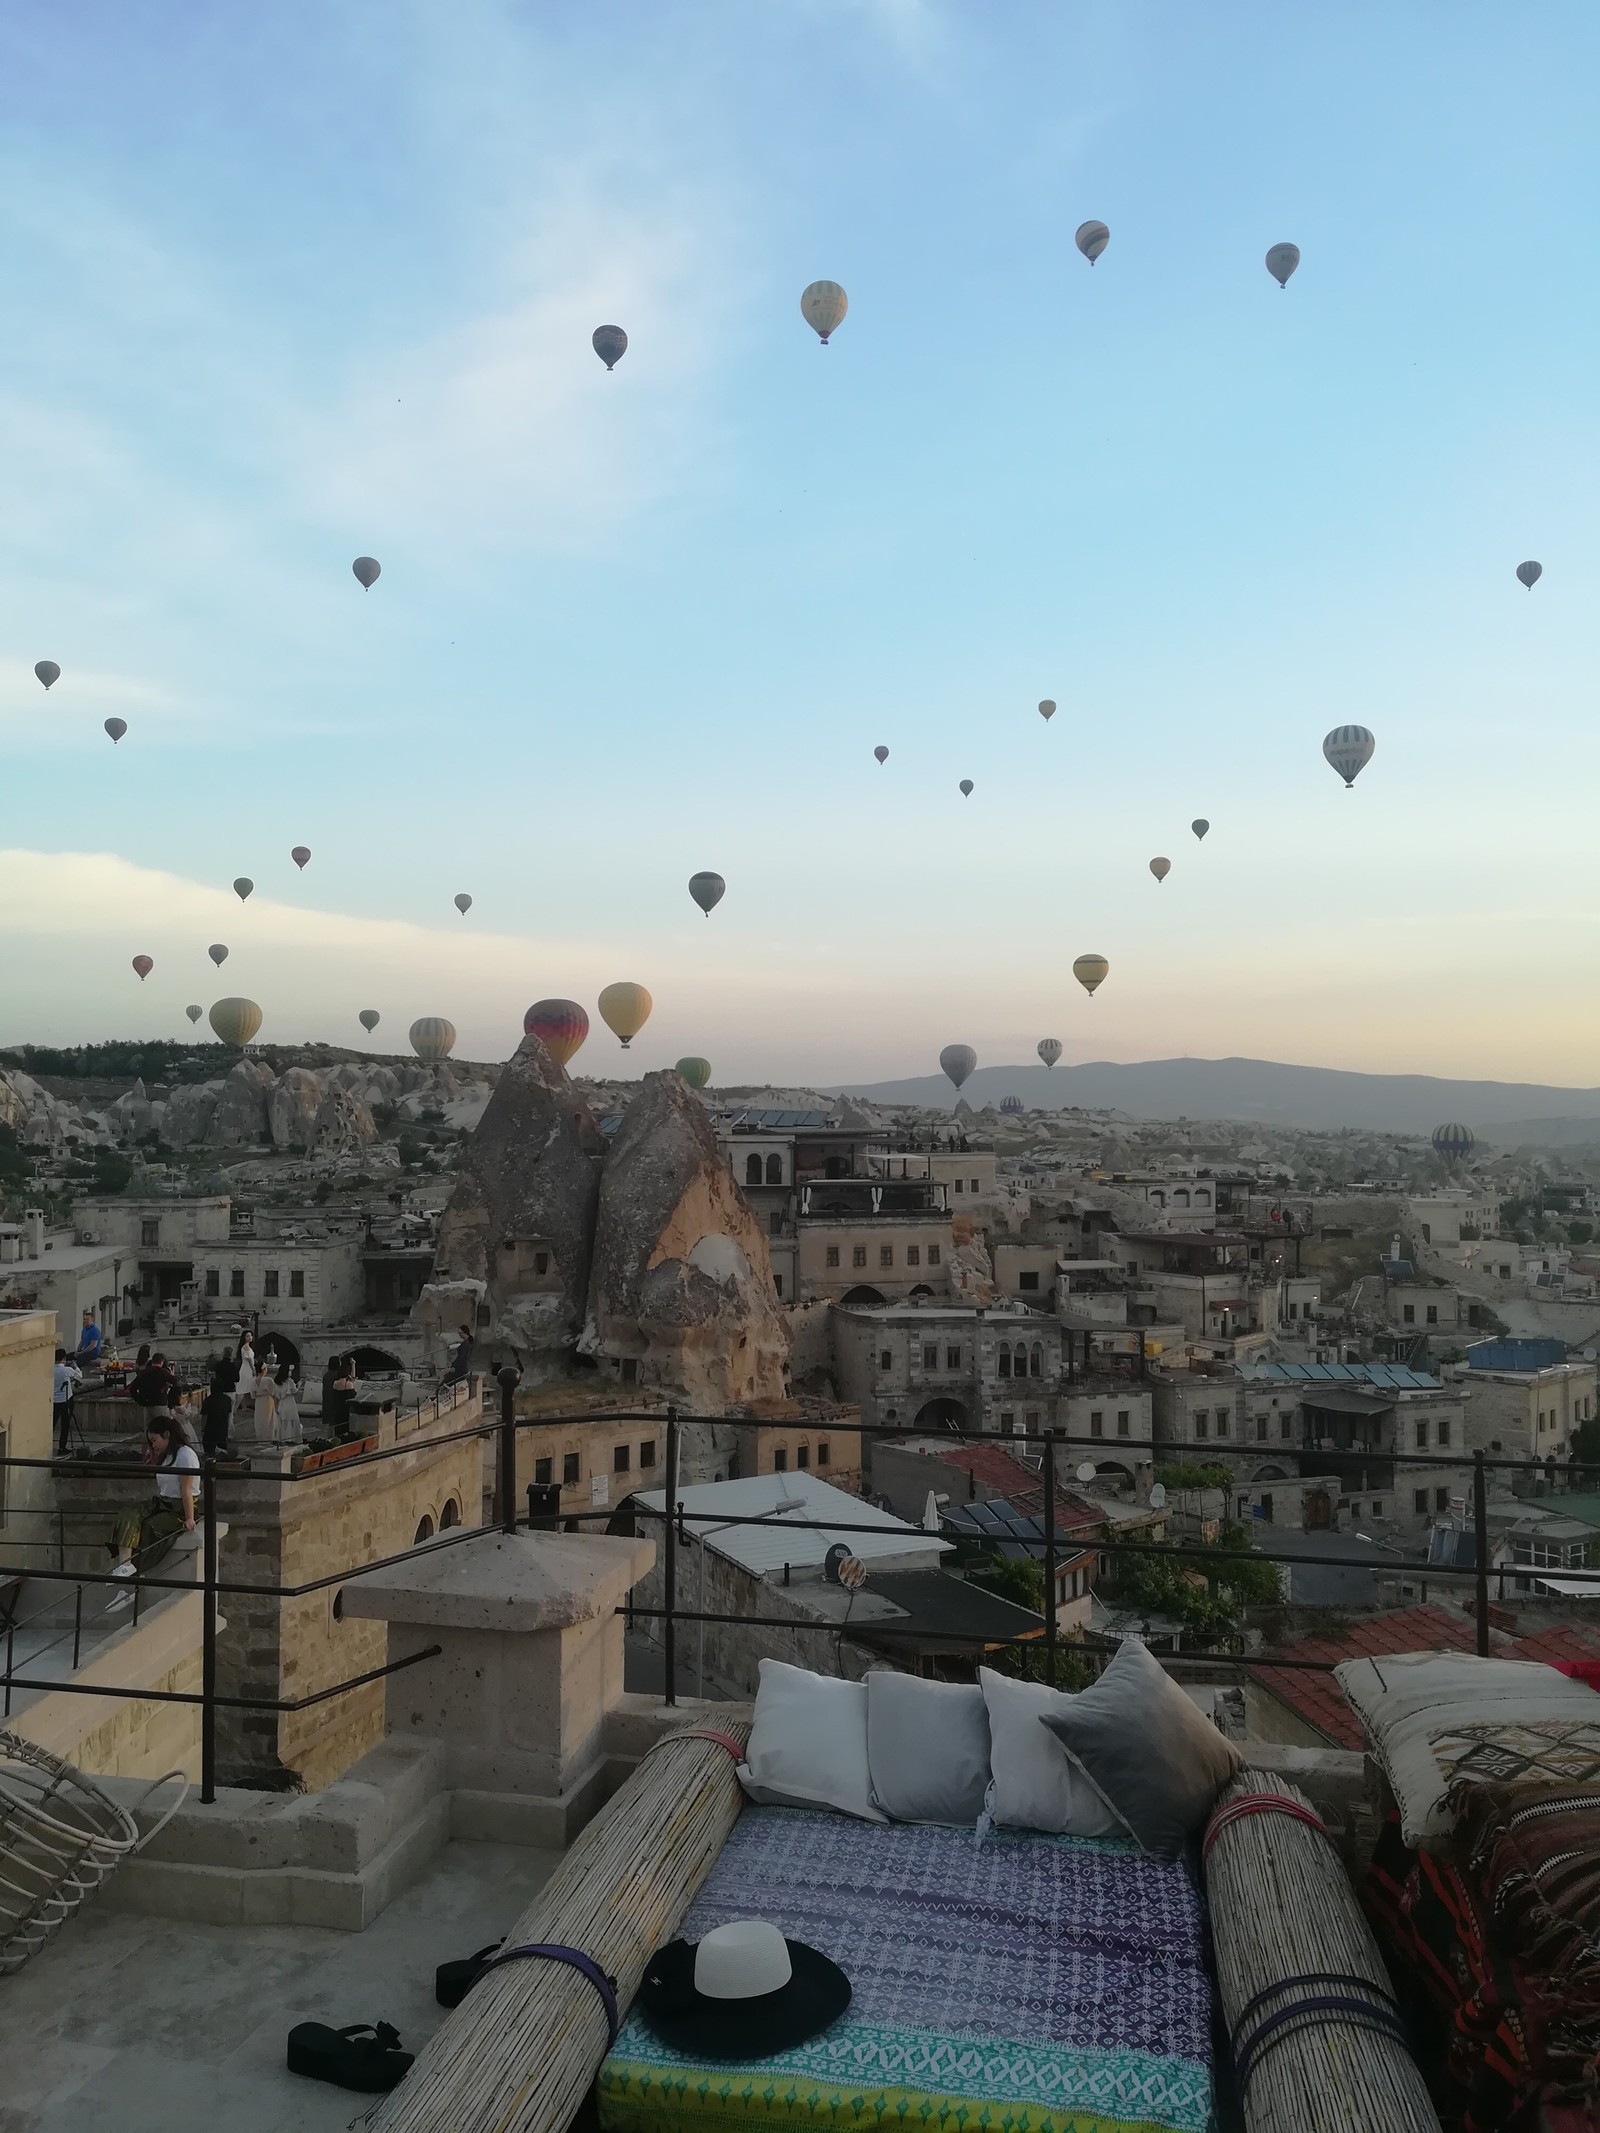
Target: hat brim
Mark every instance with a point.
(817, 1993)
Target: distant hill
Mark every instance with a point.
(1507, 1112)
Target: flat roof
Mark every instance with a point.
(1389, 1377)
(778, 1499)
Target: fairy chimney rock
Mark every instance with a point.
(521, 1219)
(681, 1298)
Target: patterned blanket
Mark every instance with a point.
(1028, 1985)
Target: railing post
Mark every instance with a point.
(509, 1377)
(1480, 1535)
(1050, 1556)
(669, 1567)
(77, 1627)
(208, 1633)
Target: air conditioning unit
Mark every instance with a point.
(88, 1236)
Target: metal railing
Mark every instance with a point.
(675, 1520)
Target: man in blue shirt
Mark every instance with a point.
(89, 1342)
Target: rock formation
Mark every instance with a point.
(292, 1108)
(682, 1284)
(522, 1217)
(240, 1119)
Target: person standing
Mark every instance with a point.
(265, 1404)
(62, 1393)
(244, 1382)
(287, 1428)
(216, 1414)
(461, 1358)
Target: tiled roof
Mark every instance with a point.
(996, 1474)
(1319, 1700)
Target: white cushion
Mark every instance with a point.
(928, 1747)
(808, 1746)
(1035, 1785)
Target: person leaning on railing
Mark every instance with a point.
(155, 1523)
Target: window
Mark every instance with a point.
(424, 1530)
(297, 1281)
(1202, 1423)
(822, 1451)
(1286, 1427)
(780, 1461)
(1422, 1503)
(213, 1281)
(542, 1470)
(1408, 1312)
(621, 1458)
(913, 1255)
(933, 1255)
(570, 1470)
(752, 1170)
(1122, 1421)
(1097, 1424)
(1444, 1433)
(959, 1186)
(269, 1282)
(832, 1255)
(236, 1281)
(858, 1255)
(1433, 1314)
(150, 1230)
(1036, 1360)
(974, 1185)
(1441, 1499)
(541, 1262)
(1222, 1421)
(1293, 1311)
(930, 1355)
(1029, 1280)
(1261, 1429)
(1031, 1418)
(1422, 1436)
(774, 1169)
(1377, 1507)
(1005, 1360)
(777, 1284)
(802, 1457)
(1008, 1423)
(630, 1370)
(952, 1358)
(886, 1359)
(886, 1255)
(647, 1452)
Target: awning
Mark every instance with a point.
(1569, 1588)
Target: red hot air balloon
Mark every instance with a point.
(144, 964)
(559, 1025)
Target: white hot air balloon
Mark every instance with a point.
(823, 305)
(1349, 749)
(432, 1038)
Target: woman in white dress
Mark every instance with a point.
(287, 1428)
(266, 1399)
(244, 1385)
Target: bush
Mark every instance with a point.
(1193, 1474)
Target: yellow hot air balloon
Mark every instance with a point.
(235, 1021)
(625, 1009)
(1090, 971)
(433, 1038)
(823, 305)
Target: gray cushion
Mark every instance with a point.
(1146, 1749)
(927, 1748)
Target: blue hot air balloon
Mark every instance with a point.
(1454, 1143)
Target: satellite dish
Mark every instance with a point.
(1087, 1471)
(840, 1567)
(1158, 1495)
(831, 1561)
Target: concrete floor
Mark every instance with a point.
(142, 2025)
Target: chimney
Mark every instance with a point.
(33, 1232)
(1144, 1475)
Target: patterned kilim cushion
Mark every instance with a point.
(1563, 1751)
(1030, 1985)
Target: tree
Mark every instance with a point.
(112, 1172)
(1206, 1591)
(1193, 1474)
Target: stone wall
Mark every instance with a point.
(114, 1736)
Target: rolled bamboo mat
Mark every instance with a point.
(519, 2053)
(1290, 1938)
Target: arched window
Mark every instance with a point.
(752, 1170)
(1202, 1198)
(450, 1515)
(1181, 1197)
(1158, 1199)
(774, 1169)
(1005, 1361)
(424, 1530)
(1036, 1361)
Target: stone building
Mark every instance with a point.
(1526, 1398)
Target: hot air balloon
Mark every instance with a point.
(463, 903)
(217, 953)
(47, 671)
(1529, 573)
(1049, 1050)
(144, 964)
(1092, 239)
(881, 753)
(823, 306)
(1047, 708)
(1454, 1142)
(707, 890)
(610, 344)
(194, 1013)
(116, 727)
(300, 854)
(966, 788)
(432, 1038)
(696, 1072)
(1011, 1106)
(958, 1061)
(1090, 972)
(369, 1018)
(235, 1021)
(1200, 825)
(368, 569)
(1349, 750)
(1281, 263)
(1161, 868)
(559, 1025)
(242, 887)
(625, 1009)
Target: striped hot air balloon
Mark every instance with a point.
(1454, 1142)
(559, 1025)
(1091, 971)
(432, 1038)
(958, 1061)
(1349, 749)
(625, 1009)
(696, 1072)
(235, 1021)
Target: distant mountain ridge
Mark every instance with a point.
(1270, 1091)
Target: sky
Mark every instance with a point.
(296, 284)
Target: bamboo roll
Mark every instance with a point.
(519, 2053)
(1288, 1929)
